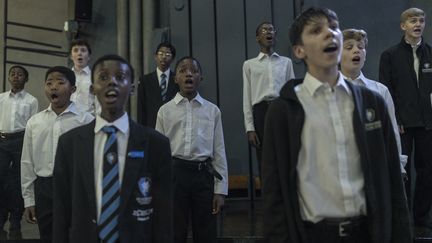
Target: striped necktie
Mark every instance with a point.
(108, 220)
(163, 85)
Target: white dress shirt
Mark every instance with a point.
(331, 183)
(195, 132)
(385, 93)
(263, 78)
(167, 74)
(16, 110)
(82, 97)
(40, 144)
(122, 124)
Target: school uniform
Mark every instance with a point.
(150, 97)
(263, 77)
(406, 70)
(331, 171)
(16, 110)
(82, 97)
(385, 93)
(37, 162)
(195, 131)
(145, 199)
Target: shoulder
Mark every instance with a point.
(85, 117)
(76, 131)
(37, 118)
(149, 76)
(210, 106)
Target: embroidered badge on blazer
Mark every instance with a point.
(144, 185)
(427, 68)
(371, 124)
(136, 154)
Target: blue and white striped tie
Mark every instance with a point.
(108, 220)
(163, 86)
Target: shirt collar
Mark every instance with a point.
(415, 45)
(122, 123)
(19, 94)
(85, 70)
(312, 84)
(159, 72)
(70, 109)
(179, 98)
(360, 80)
(262, 55)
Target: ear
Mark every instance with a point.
(73, 89)
(92, 90)
(403, 26)
(299, 51)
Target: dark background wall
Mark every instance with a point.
(219, 33)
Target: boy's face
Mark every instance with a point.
(266, 35)
(163, 58)
(188, 78)
(80, 56)
(17, 79)
(112, 85)
(413, 27)
(321, 44)
(353, 56)
(58, 90)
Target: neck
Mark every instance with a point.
(329, 75)
(352, 74)
(59, 110)
(267, 50)
(16, 90)
(112, 115)
(79, 68)
(412, 40)
(163, 69)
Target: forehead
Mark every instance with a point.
(112, 66)
(320, 20)
(16, 70)
(79, 47)
(56, 75)
(353, 41)
(188, 63)
(415, 18)
(164, 49)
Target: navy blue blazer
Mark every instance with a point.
(74, 213)
(150, 99)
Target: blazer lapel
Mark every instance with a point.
(87, 162)
(132, 165)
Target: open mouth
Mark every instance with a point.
(417, 30)
(54, 97)
(356, 59)
(331, 48)
(111, 95)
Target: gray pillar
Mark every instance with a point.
(135, 49)
(122, 28)
(148, 26)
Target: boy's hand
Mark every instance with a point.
(401, 129)
(30, 215)
(218, 202)
(253, 139)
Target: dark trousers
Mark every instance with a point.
(259, 112)
(11, 201)
(43, 188)
(322, 233)
(193, 197)
(421, 140)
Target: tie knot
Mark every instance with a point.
(163, 75)
(109, 129)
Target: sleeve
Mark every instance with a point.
(34, 107)
(61, 194)
(159, 122)
(247, 99)
(399, 210)
(391, 110)
(28, 175)
(162, 190)
(275, 225)
(290, 70)
(219, 161)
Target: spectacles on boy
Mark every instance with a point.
(167, 54)
(270, 31)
